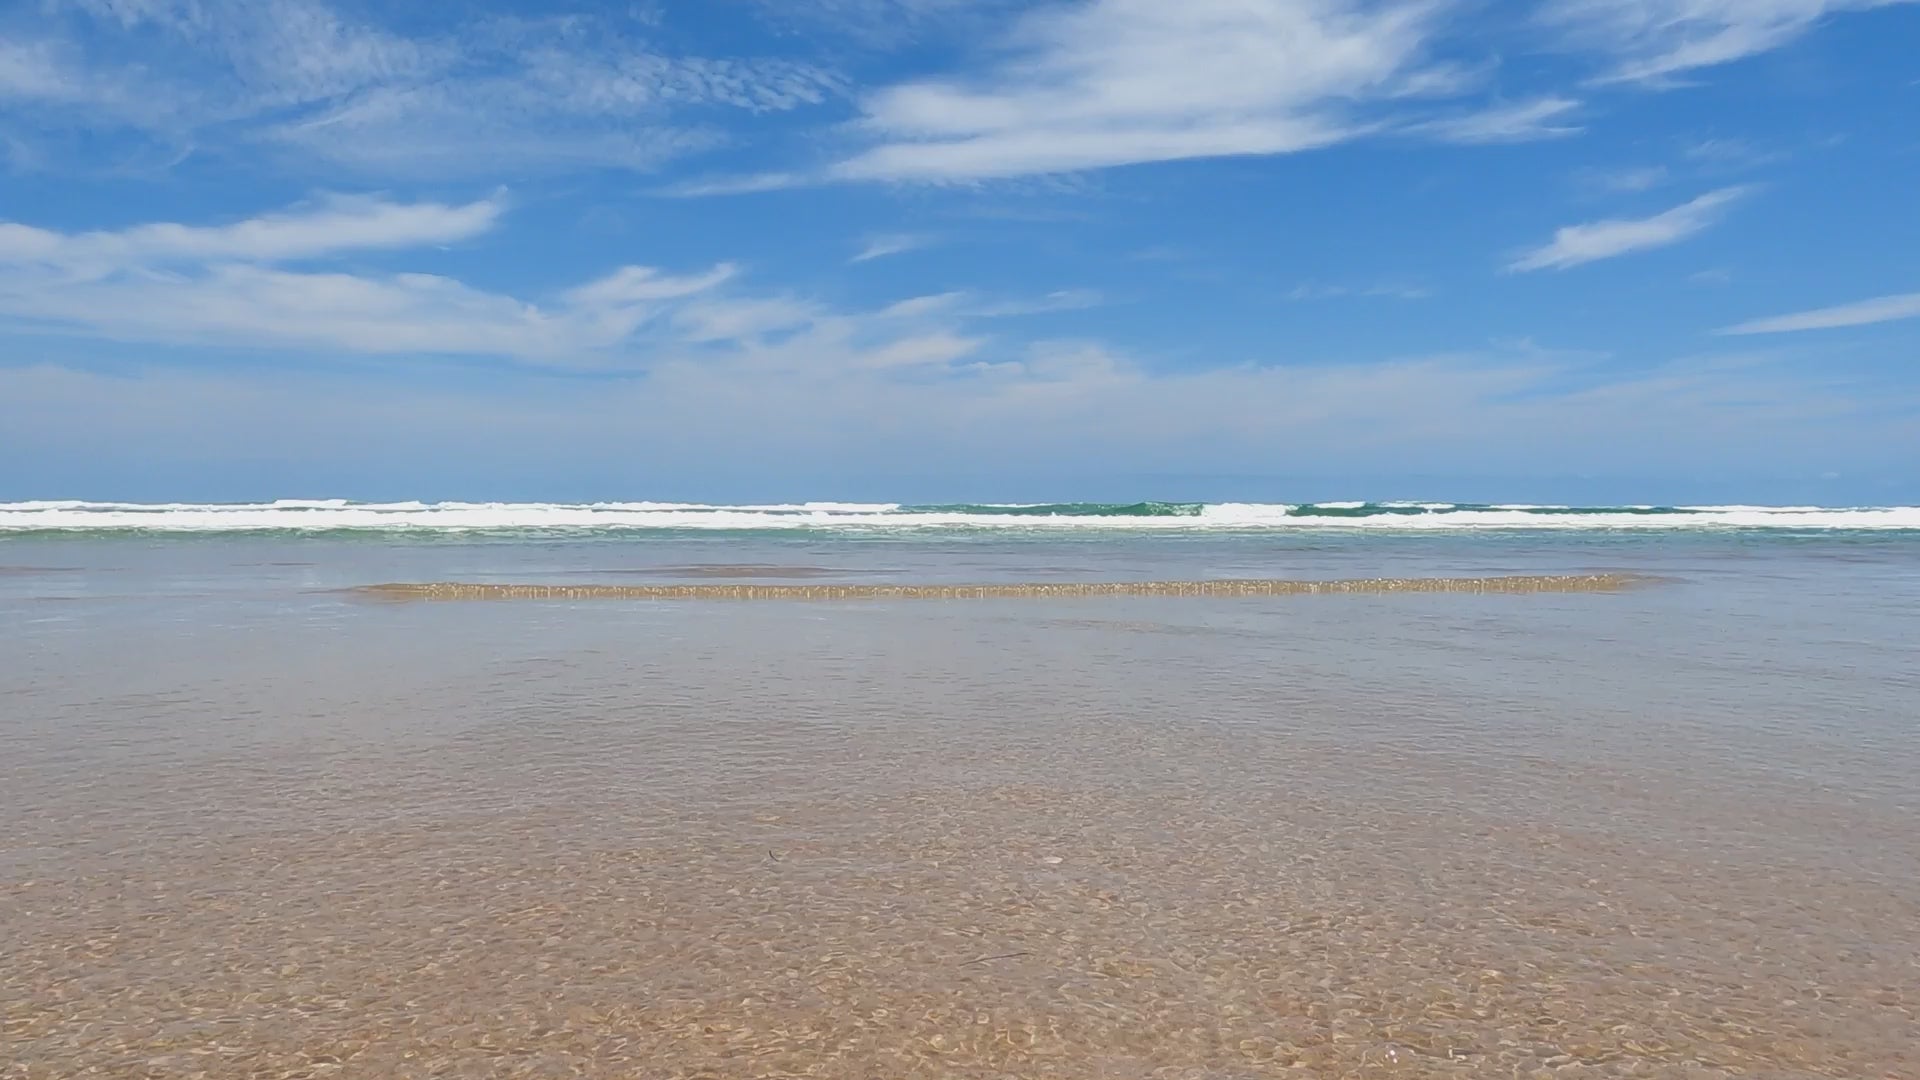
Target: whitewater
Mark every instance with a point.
(345, 516)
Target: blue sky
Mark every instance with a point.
(1261, 249)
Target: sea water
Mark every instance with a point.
(254, 821)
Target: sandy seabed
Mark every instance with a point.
(1145, 842)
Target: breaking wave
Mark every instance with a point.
(343, 516)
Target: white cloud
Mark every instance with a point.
(750, 184)
(1522, 122)
(921, 367)
(1047, 88)
(1115, 82)
(245, 284)
(916, 306)
(1864, 313)
(1630, 179)
(881, 23)
(207, 61)
(966, 305)
(220, 285)
(834, 410)
(1315, 291)
(487, 96)
(336, 224)
(1730, 153)
(258, 306)
(1654, 40)
(937, 349)
(740, 319)
(554, 107)
(1577, 244)
(1058, 300)
(881, 246)
(641, 284)
(429, 132)
(31, 71)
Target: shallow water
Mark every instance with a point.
(251, 824)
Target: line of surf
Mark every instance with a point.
(332, 516)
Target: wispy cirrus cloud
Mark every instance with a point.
(1625, 179)
(1575, 245)
(882, 245)
(1542, 118)
(1315, 291)
(551, 106)
(332, 225)
(1654, 40)
(1730, 154)
(882, 24)
(747, 184)
(39, 71)
(484, 95)
(1044, 89)
(1117, 82)
(1880, 309)
(1058, 300)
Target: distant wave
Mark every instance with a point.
(1060, 510)
(340, 515)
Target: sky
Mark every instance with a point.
(1553, 250)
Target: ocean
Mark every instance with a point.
(733, 791)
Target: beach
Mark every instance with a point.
(262, 822)
(959, 540)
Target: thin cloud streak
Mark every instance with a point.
(1526, 121)
(334, 225)
(1629, 180)
(1863, 313)
(1575, 245)
(1655, 41)
(749, 184)
(1059, 300)
(882, 246)
(1309, 291)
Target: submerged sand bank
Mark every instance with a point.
(1526, 583)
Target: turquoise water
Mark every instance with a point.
(242, 558)
(339, 516)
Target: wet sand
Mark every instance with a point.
(1368, 835)
(1006, 930)
(1515, 583)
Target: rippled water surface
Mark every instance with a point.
(253, 825)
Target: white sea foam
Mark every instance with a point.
(339, 514)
